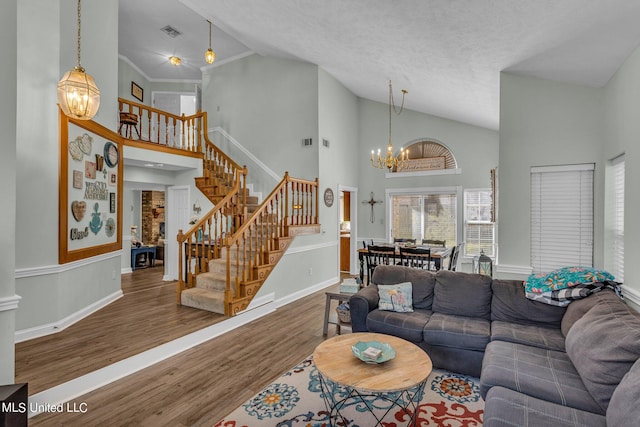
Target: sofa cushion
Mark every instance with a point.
(423, 282)
(504, 407)
(578, 308)
(462, 294)
(623, 408)
(395, 297)
(545, 374)
(603, 345)
(510, 304)
(408, 326)
(536, 336)
(457, 331)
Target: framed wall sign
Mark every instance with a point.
(328, 197)
(90, 218)
(137, 92)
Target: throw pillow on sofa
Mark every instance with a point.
(603, 345)
(396, 297)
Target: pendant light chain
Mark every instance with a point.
(209, 33)
(78, 53)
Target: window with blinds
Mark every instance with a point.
(561, 217)
(424, 216)
(617, 169)
(478, 228)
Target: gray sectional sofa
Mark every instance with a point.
(538, 364)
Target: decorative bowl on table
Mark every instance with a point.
(361, 350)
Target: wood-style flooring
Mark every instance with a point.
(145, 317)
(200, 386)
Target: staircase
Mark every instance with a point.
(229, 253)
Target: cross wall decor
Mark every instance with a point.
(372, 201)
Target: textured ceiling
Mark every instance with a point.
(448, 54)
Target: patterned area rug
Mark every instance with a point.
(295, 399)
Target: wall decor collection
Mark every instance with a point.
(90, 190)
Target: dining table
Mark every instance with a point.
(438, 254)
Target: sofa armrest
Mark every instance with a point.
(360, 304)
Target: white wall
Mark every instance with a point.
(8, 300)
(51, 292)
(622, 135)
(543, 123)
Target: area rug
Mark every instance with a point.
(295, 399)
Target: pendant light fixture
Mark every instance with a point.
(78, 95)
(209, 55)
(390, 160)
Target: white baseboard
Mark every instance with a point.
(307, 291)
(126, 270)
(52, 328)
(167, 278)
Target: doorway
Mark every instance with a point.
(347, 230)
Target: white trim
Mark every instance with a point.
(94, 380)
(209, 68)
(52, 328)
(456, 171)
(135, 67)
(422, 190)
(631, 294)
(564, 168)
(22, 273)
(308, 248)
(126, 271)
(306, 291)
(232, 140)
(514, 269)
(259, 301)
(10, 302)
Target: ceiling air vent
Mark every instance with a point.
(170, 31)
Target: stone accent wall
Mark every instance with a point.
(152, 216)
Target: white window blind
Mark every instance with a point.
(478, 228)
(617, 166)
(561, 217)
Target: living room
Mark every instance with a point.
(541, 122)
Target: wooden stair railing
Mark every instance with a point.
(160, 128)
(254, 249)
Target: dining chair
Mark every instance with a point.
(416, 258)
(364, 243)
(432, 242)
(379, 255)
(453, 259)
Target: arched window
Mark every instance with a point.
(429, 155)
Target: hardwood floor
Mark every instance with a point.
(200, 386)
(145, 317)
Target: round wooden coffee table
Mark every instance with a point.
(347, 381)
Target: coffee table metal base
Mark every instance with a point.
(338, 397)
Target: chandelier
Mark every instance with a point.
(209, 55)
(390, 161)
(78, 95)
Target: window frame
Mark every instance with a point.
(467, 222)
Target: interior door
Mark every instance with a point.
(178, 211)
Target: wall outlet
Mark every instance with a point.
(310, 271)
(113, 275)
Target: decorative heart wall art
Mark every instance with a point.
(78, 209)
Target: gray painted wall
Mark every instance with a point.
(51, 292)
(8, 47)
(543, 123)
(475, 150)
(621, 135)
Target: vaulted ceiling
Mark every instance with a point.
(448, 54)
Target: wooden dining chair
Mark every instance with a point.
(416, 258)
(453, 259)
(379, 255)
(432, 242)
(364, 243)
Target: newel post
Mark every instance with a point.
(180, 284)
